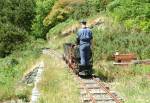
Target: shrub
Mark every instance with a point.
(18, 12)
(61, 11)
(134, 13)
(12, 69)
(11, 38)
(107, 42)
(42, 9)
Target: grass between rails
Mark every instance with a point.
(57, 85)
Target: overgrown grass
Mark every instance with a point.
(132, 83)
(134, 89)
(12, 69)
(106, 42)
(134, 14)
(58, 29)
(57, 85)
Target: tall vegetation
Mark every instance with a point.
(135, 14)
(61, 11)
(42, 9)
(89, 8)
(107, 42)
(12, 69)
(64, 9)
(15, 23)
(11, 38)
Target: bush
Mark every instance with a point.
(60, 12)
(134, 14)
(11, 38)
(15, 22)
(12, 69)
(107, 42)
(18, 12)
(42, 9)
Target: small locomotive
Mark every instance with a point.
(72, 58)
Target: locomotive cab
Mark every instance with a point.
(72, 58)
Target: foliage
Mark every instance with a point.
(90, 8)
(12, 69)
(11, 38)
(85, 9)
(134, 13)
(64, 9)
(18, 12)
(42, 9)
(107, 42)
(61, 11)
(15, 24)
(58, 29)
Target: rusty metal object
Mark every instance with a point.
(124, 59)
(128, 59)
(121, 58)
(70, 57)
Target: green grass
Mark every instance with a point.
(12, 71)
(132, 83)
(57, 85)
(134, 89)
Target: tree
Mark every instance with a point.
(42, 9)
(15, 24)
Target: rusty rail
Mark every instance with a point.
(86, 89)
(84, 86)
(107, 91)
(101, 87)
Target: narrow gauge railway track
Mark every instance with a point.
(92, 90)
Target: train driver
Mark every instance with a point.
(84, 38)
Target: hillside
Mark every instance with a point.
(28, 26)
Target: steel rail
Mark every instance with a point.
(87, 90)
(84, 86)
(107, 91)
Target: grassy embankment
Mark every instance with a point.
(132, 83)
(57, 85)
(12, 70)
(135, 88)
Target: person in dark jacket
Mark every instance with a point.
(84, 39)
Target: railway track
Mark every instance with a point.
(92, 90)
